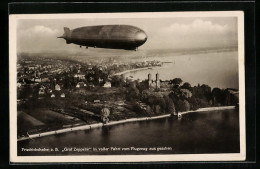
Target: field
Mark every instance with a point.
(99, 93)
(26, 119)
(25, 122)
(51, 117)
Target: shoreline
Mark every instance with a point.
(134, 70)
(98, 125)
(207, 109)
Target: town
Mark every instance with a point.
(56, 93)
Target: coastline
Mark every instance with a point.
(207, 109)
(133, 70)
(97, 125)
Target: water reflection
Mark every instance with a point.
(106, 130)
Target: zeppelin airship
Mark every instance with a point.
(106, 36)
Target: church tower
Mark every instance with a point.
(149, 80)
(157, 81)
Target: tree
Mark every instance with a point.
(132, 93)
(186, 85)
(74, 70)
(170, 107)
(103, 76)
(105, 114)
(24, 92)
(186, 105)
(149, 110)
(207, 91)
(217, 96)
(117, 81)
(229, 98)
(185, 93)
(145, 94)
(26, 69)
(142, 86)
(176, 82)
(69, 81)
(157, 109)
(174, 97)
(161, 102)
(194, 104)
(183, 105)
(89, 77)
(203, 92)
(136, 107)
(151, 100)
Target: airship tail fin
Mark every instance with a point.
(66, 31)
(66, 34)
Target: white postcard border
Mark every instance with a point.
(124, 158)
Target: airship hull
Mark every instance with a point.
(106, 36)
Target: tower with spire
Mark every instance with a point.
(149, 80)
(153, 83)
(157, 81)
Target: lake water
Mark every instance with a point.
(218, 69)
(203, 132)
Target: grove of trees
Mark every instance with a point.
(182, 97)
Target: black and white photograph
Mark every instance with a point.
(127, 87)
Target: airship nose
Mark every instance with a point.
(140, 37)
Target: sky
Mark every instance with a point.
(174, 33)
(39, 35)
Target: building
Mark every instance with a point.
(100, 80)
(19, 85)
(62, 95)
(57, 87)
(80, 76)
(49, 91)
(41, 91)
(91, 85)
(45, 79)
(80, 84)
(120, 103)
(153, 83)
(160, 85)
(37, 79)
(107, 85)
(96, 101)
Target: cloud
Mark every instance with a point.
(38, 37)
(43, 29)
(39, 30)
(197, 26)
(198, 33)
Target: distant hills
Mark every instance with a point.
(121, 55)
